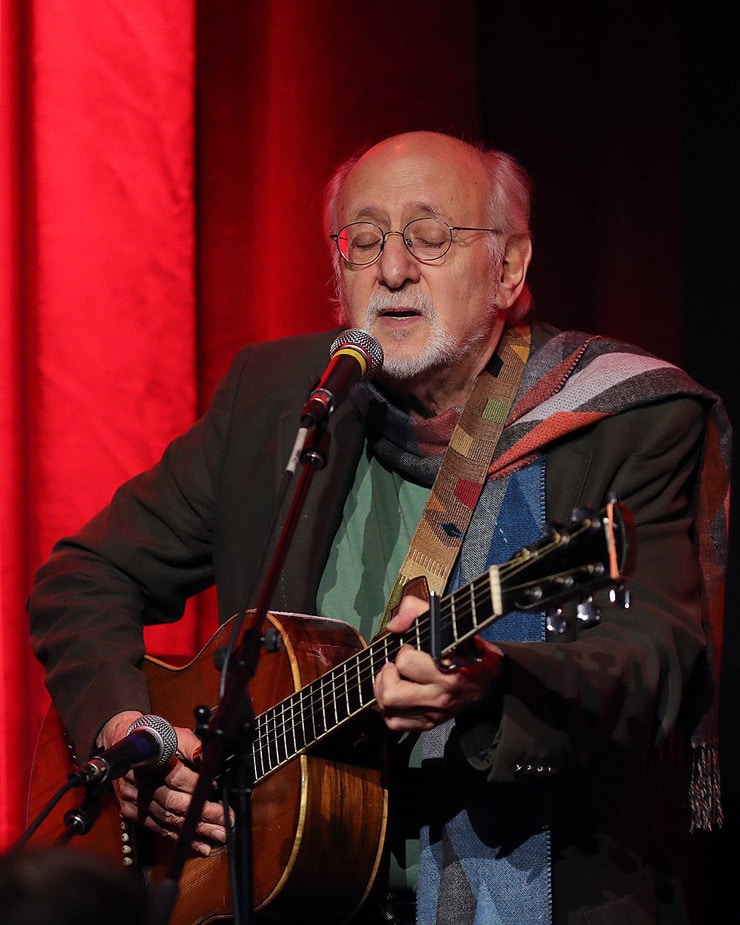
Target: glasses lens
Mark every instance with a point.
(427, 238)
(359, 243)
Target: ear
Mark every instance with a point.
(514, 268)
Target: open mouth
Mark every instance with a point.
(400, 313)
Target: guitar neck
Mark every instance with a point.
(295, 724)
(594, 551)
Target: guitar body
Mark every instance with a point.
(318, 820)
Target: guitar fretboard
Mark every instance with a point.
(311, 713)
(591, 553)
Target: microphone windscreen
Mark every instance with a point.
(162, 730)
(364, 341)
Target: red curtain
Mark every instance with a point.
(16, 683)
(285, 92)
(98, 321)
(152, 154)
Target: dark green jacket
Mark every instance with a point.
(576, 717)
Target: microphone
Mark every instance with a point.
(150, 742)
(355, 354)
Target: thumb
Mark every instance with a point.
(407, 611)
(189, 746)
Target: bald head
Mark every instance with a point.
(494, 175)
(399, 151)
(445, 171)
(431, 255)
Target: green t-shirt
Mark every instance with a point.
(380, 517)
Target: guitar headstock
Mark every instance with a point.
(595, 550)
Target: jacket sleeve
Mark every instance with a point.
(618, 686)
(134, 563)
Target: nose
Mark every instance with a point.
(396, 266)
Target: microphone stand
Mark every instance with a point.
(80, 820)
(77, 821)
(231, 729)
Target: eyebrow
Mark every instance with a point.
(373, 212)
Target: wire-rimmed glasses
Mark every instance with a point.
(361, 243)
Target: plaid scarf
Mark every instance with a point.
(490, 862)
(572, 382)
(413, 447)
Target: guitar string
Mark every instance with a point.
(312, 712)
(324, 694)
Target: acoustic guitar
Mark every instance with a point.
(320, 802)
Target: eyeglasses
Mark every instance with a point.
(361, 243)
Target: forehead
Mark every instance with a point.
(402, 182)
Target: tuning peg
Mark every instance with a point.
(531, 596)
(620, 595)
(558, 622)
(588, 612)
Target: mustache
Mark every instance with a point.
(385, 301)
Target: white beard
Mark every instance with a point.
(442, 348)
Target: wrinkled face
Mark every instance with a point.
(425, 315)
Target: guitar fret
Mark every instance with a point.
(279, 733)
(469, 623)
(288, 719)
(311, 716)
(273, 750)
(472, 623)
(356, 698)
(453, 620)
(494, 586)
(365, 678)
(369, 672)
(282, 736)
(264, 752)
(331, 702)
(379, 659)
(290, 726)
(325, 721)
(258, 770)
(264, 743)
(350, 704)
(345, 691)
(338, 709)
(303, 727)
(267, 758)
(317, 714)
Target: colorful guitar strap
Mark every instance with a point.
(464, 469)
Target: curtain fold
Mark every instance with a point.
(98, 324)
(18, 676)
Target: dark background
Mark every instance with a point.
(625, 114)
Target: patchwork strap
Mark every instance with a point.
(464, 469)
